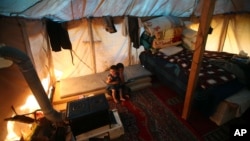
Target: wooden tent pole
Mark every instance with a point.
(92, 42)
(223, 34)
(205, 20)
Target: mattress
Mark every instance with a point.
(82, 84)
(96, 82)
(213, 86)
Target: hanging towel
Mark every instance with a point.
(58, 35)
(133, 30)
(109, 25)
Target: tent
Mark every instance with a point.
(94, 49)
(84, 18)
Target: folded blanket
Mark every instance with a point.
(171, 50)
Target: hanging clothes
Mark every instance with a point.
(109, 24)
(58, 35)
(133, 30)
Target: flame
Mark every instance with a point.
(30, 105)
(12, 135)
(16, 130)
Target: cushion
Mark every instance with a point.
(96, 82)
(171, 50)
(188, 44)
(135, 72)
(242, 98)
(82, 84)
(189, 33)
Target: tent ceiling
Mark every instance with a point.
(65, 10)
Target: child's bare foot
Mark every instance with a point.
(122, 99)
(115, 100)
(127, 96)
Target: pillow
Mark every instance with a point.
(161, 23)
(189, 33)
(171, 50)
(188, 44)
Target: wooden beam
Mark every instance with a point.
(92, 44)
(205, 20)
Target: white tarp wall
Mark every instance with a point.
(231, 33)
(108, 49)
(111, 48)
(238, 34)
(40, 50)
(89, 59)
(27, 36)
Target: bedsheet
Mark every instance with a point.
(174, 71)
(209, 76)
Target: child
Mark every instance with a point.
(113, 81)
(120, 68)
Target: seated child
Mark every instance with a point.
(113, 81)
(125, 89)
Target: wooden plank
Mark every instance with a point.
(205, 20)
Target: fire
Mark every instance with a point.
(16, 130)
(30, 105)
(12, 135)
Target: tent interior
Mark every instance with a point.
(93, 48)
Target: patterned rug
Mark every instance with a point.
(200, 124)
(154, 114)
(146, 118)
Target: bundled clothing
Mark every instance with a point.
(109, 25)
(133, 30)
(58, 35)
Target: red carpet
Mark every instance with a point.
(146, 118)
(200, 124)
(154, 114)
